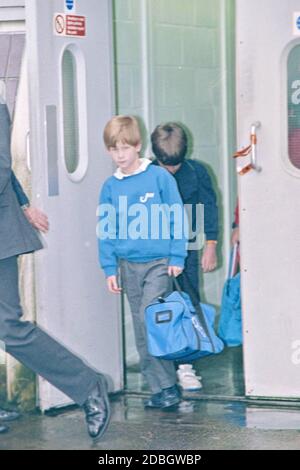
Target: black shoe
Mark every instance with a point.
(155, 401)
(167, 398)
(3, 429)
(170, 397)
(6, 415)
(97, 409)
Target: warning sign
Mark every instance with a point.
(69, 25)
(75, 25)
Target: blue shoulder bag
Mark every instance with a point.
(230, 325)
(181, 329)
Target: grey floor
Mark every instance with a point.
(218, 417)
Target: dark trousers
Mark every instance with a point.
(191, 276)
(191, 271)
(35, 348)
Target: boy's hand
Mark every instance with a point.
(174, 270)
(209, 258)
(112, 285)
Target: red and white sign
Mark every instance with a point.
(69, 25)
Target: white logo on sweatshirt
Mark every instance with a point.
(147, 196)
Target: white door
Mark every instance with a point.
(71, 98)
(268, 78)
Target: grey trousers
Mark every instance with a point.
(143, 283)
(36, 349)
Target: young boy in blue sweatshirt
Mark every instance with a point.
(131, 237)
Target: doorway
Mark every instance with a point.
(267, 100)
(176, 62)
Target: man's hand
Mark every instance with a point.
(112, 285)
(174, 270)
(37, 218)
(209, 258)
(235, 236)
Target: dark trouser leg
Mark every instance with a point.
(191, 270)
(35, 348)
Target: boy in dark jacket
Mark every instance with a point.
(169, 145)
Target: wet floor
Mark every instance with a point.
(195, 425)
(217, 417)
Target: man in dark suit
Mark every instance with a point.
(26, 342)
(38, 220)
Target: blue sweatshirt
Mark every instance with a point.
(129, 228)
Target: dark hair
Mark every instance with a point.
(169, 143)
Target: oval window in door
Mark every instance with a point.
(294, 106)
(74, 113)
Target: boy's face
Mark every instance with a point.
(125, 156)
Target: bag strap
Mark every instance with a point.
(196, 305)
(233, 260)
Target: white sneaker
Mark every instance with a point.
(187, 378)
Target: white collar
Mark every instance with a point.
(144, 163)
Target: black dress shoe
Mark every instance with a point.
(97, 409)
(155, 401)
(6, 415)
(3, 429)
(167, 398)
(170, 397)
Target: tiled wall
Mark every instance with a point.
(186, 68)
(128, 55)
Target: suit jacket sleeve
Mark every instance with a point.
(5, 156)
(21, 196)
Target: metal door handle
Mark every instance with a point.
(253, 155)
(250, 150)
